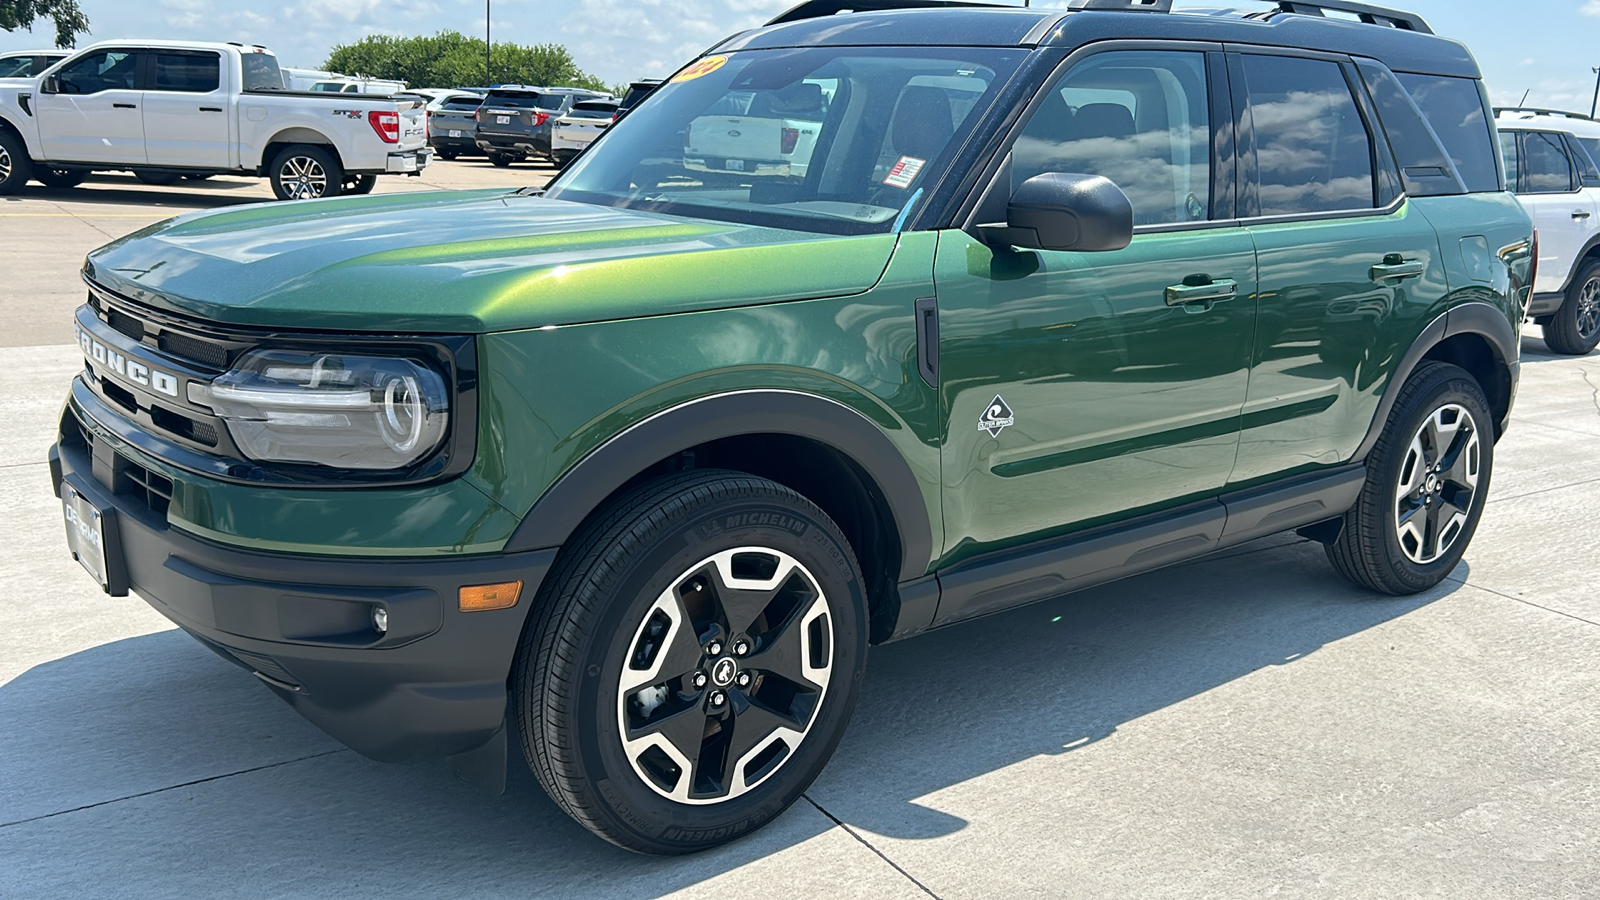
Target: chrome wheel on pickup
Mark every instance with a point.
(15, 167)
(306, 172)
(692, 661)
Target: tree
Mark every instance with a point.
(69, 19)
(451, 59)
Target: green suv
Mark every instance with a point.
(627, 474)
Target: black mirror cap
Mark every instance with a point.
(50, 85)
(1060, 211)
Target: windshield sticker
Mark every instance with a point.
(703, 67)
(996, 418)
(904, 172)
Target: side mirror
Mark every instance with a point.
(1057, 211)
(50, 85)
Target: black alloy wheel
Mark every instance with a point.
(1574, 329)
(692, 661)
(1427, 481)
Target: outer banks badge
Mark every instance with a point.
(996, 417)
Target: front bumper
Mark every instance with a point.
(433, 685)
(409, 161)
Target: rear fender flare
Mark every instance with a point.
(1482, 319)
(581, 489)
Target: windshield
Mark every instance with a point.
(834, 139)
(261, 72)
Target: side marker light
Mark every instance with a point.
(490, 596)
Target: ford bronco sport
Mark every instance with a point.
(627, 474)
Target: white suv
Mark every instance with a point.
(1551, 165)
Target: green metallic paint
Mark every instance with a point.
(537, 421)
(469, 263)
(1328, 337)
(1122, 402)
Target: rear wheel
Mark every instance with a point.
(693, 661)
(447, 155)
(60, 178)
(15, 166)
(1427, 480)
(501, 160)
(1574, 329)
(305, 172)
(562, 159)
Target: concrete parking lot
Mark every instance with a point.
(1245, 725)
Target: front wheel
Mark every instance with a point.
(693, 661)
(305, 172)
(359, 184)
(1427, 481)
(15, 165)
(1574, 329)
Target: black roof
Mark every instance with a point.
(1401, 49)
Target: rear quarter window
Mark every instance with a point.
(1455, 108)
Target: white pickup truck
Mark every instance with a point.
(168, 109)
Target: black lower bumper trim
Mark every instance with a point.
(432, 685)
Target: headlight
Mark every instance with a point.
(333, 409)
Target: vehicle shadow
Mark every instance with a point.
(1535, 350)
(268, 805)
(125, 190)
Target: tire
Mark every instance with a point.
(610, 611)
(1574, 329)
(305, 172)
(157, 179)
(359, 184)
(562, 160)
(60, 178)
(16, 167)
(501, 160)
(1442, 419)
(447, 155)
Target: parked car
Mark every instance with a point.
(452, 123)
(576, 128)
(515, 120)
(627, 474)
(638, 91)
(1551, 164)
(358, 86)
(28, 63)
(169, 109)
(766, 132)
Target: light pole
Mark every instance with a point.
(1596, 100)
(488, 43)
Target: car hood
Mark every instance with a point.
(469, 262)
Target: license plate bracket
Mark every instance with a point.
(94, 540)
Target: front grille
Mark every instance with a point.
(204, 352)
(183, 426)
(129, 480)
(125, 323)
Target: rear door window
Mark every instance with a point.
(198, 73)
(1545, 167)
(1456, 110)
(1313, 152)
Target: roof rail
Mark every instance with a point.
(1123, 5)
(816, 9)
(1543, 112)
(1372, 15)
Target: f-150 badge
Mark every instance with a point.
(996, 417)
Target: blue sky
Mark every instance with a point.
(1543, 46)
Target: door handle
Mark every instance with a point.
(1396, 266)
(123, 106)
(1209, 292)
(1580, 214)
(211, 109)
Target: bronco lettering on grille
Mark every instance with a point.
(132, 370)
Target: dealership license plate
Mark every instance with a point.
(86, 534)
(502, 120)
(735, 165)
(455, 132)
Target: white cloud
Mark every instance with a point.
(1591, 8)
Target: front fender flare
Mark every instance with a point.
(1483, 319)
(581, 489)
